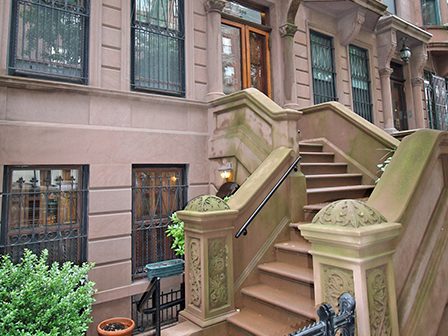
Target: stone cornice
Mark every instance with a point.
(393, 22)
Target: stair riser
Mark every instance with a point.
(294, 321)
(318, 158)
(294, 258)
(322, 197)
(333, 181)
(310, 148)
(308, 215)
(323, 169)
(295, 235)
(233, 330)
(291, 286)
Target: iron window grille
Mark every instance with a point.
(436, 96)
(157, 192)
(158, 38)
(430, 12)
(49, 39)
(324, 88)
(360, 74)
(45, 208)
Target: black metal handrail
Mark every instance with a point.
(243, 229)
(329, 323)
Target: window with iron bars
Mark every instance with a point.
(158, 46)
(360, 74)
(157, 192)
(45, 208)
(436, 96)
(324, 88)
(49, 39)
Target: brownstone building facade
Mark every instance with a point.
(104, 121)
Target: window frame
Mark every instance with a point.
(369, 81)
(437, 14)
(137, 223)
(82, 204)
(12, 49)
(182, 56)
(333, 68)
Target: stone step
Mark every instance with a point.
(316, 157)
(310, 147)
(332, 180)
(249, 322)
(323, 168)
(294, 252)
(276, 298)
(311, 210)
(330, 194)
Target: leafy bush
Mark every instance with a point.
(386, 159)
(176, 230)
(40, 300)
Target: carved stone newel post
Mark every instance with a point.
(352, 247)
(208, 260)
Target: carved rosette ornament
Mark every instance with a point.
(348, 213)
(217, 267)
(337, 281)
(206, 203)
(379, 315)
(215, 5)
(288, 30)
(195, 271)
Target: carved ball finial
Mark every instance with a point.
(348, 213)
(206, 203)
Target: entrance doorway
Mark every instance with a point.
(399, 97)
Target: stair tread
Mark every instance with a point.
(321, 176)
(259, 324)
(340, 188)
(289, 271)
(294, 303)
(317, 206)
(310, 144)
(317, 153)
(323, 164)
(294, 246)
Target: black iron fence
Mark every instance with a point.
(155, 308)
(44, 208)
(49, 39)
(330, 323)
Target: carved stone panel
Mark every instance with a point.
(336, 281)
(194, 260)
(217, 267)
(378, 302)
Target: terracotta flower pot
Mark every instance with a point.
(130, 325)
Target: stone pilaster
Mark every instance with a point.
(386, 94)
(287, 33)
(352, 247)
(418, 62)
(214, 40)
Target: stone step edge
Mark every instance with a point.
(290, 272)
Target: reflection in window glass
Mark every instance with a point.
(231, 58)
(430, 12)
(243, 12)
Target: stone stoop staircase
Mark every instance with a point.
(283, 300)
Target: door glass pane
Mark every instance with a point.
(258, 76)
(231, 58)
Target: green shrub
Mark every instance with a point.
(37, 299)
(176, 230)
(385, 160)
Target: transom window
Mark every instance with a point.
(49, 39)
(322, 68)
(44, 208)
(245, 49)
(430, 12)
(360, 74)
(157, 192)
(158, 46)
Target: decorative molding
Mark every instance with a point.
(418, 60)
(350, 25)
(194, 260)
(378, 296)
(386, 45)
(288, 30)
(348, 213)
(336, 281)
(292, 11)
(386, 72)
(206, 203)
(215, 5)
(218, 292)
(417, 81)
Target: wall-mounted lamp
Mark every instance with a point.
(226, 171)
(405, 52)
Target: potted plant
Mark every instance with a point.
(41, 299)
(117, 326)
